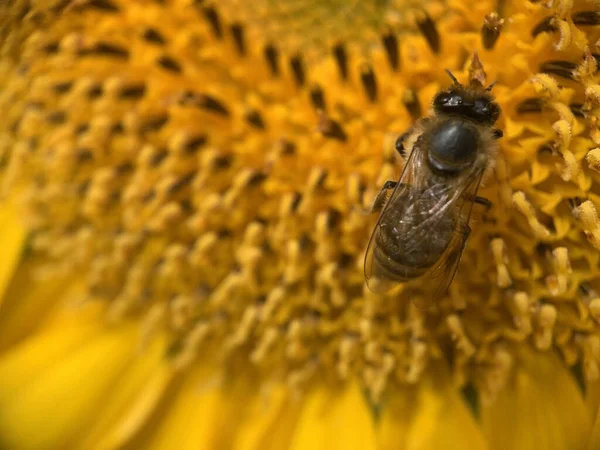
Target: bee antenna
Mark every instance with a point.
(492, 84)
(452, 76)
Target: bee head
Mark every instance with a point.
(475, 104)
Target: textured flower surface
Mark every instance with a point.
(183, 186)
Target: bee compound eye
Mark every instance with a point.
(485, 111)
(448, 102)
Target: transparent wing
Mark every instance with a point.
(378, 282)
(438, 279)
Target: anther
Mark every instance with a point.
(459, 337)
(203, 246)
(297, 67)
(563, 133)
(522, 317)
(169, 63)
(341, 59)
(566, 36)
(417, 361)
(503, 278)
(153, 36)
(430, 33)
(492, 25)
(203, 101)
(577, 109)
(213, 19)
(153, 123)
(593, 159)
(316, 179)
(267, 341)
(411, 101)
(594, 307)
(369, 82)
(275, 298)
(559, 282)
(545, 324)
(105, 49)
(390, 44)
(564, 69)
(254, 118)
(591, 224)
(530, 105)
(591, 357)
(527, 210)
(63, 88)
(317, 97)
(132, 91)
(237, 31)
(331, 129)
(272, 57)
(547, 25)
(347, 353)
(544, 83)
(589, 18)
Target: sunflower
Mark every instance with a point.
(182, 192)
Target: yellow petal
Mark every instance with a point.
(270, 422)
(594, 443)
(50, 410)
(132, 401)
(28, 302)
(203, 414)
(541, 408)
(25, 362)
(430, 416)
(12, 239)
(334, 420)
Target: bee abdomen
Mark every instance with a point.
(389, 268)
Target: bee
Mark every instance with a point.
(423, 224)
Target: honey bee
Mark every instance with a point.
(423, 226)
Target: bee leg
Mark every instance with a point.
(483, 201)
(383, 196)
(497, 134)
(400, 143)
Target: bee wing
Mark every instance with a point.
(404, 188)
(438, 279)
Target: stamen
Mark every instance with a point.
(593, 159)
(527, 210)
(298, 69)
(459, 337)
(369, 82)
(490, 32)
(237, 31)
(390, 44)
(429, 31)
(272, 56)
(500, 258)
(331, 129)
(591, 224)
(212, 16)
(586, 18)
(412, 104)
(317, 98)
(546, 318)
(341, 59)
(559, 283)
(522, 312)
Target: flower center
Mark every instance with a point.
(213, 182)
